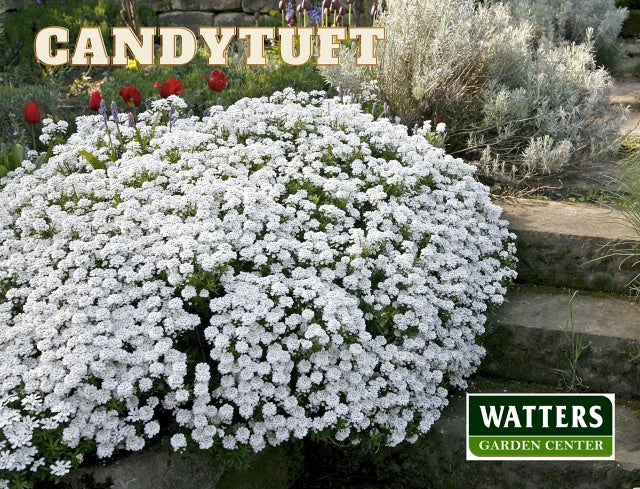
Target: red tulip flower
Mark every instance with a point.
(170, 87)
(32, 113)
(32, 116)
(94, 101)
(131, 96)
(217, 81)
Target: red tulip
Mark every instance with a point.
(94, 101)
(32, 113)
(217, 81)
(131, 96)
(169, 87)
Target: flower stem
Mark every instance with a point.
(33, 136)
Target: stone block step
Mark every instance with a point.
(593, 344)
(626, 93)
(438, 461)
(565, 244)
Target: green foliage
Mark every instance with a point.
(628, 3)
(3, 15)
(243, 81)
(17, 57)
(11, 158)
(570, 379)
(629, 177)
(12, 100)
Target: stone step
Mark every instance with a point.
(160, 467)
(594, 344)
(626, 93)
(438, 461)
(565, 244)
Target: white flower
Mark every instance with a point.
(60, 468)
(289, 265)
(178, 441)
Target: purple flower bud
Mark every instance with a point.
(102, 110)
(350, 2)
(299, 8)
(114, 112)
(374, 9)
(335, 5)
(326, 4)
(132, 121)
(338, 19)
(173, 115)
(341, 10)
(256, 15)
(306, 5)
(291, 21)
(206, 113)
(282, 5)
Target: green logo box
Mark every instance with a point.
(540, 426)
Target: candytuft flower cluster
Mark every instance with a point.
(335, 269)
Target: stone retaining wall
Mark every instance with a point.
(193, 13)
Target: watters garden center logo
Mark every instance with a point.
(540, 427)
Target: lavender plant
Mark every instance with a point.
(569, 20)
(512, 104)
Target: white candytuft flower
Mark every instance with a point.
(286, 266)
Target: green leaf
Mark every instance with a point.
(93, 161)
(18, 155)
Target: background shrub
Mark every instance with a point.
(17, 59)
(12, 100)
(243, 81)
(569, 20)
(511, 103)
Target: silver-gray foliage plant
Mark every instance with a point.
(570, 19)
(515, 103)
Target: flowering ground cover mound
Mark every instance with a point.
(283, 267)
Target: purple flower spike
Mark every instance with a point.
(114, 112)
(102, 110)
